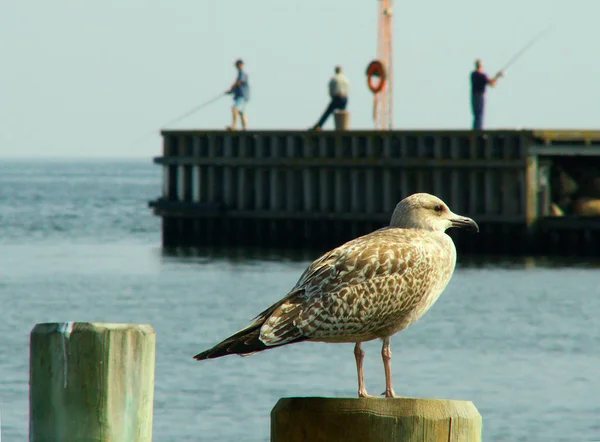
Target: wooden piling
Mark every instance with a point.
(317, 419)
(341, 119)
(91, 382)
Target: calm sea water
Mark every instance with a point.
(520, 338)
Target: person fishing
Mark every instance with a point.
(479, 82)
(241, 94)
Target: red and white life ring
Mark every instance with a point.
(376, 69)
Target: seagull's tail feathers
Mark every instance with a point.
(248, 340)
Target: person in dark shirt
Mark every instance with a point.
(241, 94)
(479, 81)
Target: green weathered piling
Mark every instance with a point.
(91, 382)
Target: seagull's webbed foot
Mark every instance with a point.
(364, 394)
(389, 393)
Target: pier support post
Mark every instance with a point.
(352, 420)
(91, 382)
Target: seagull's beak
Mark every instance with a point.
(462, 222)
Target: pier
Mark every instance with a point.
(531, 191)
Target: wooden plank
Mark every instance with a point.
(339, 190)
(585, 136)
(475, 192)
(354, 163)
(440, 189)
(566, 150)
(203, 184)
(389, 197)
(180, 183)
(531, 190)
(290, 190)
(196, 184)
(308, 182)
(275, 189)
(166, 180)
(325, 191)
(228, 184)
(490, 191)
(354, 178)
(173, 181)
(350, 133)
(369, 191)
(214, 211)
(242, 179)
(211, 172)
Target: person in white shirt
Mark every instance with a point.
(338, 91)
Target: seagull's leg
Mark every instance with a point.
(359, 355)
(386, 354)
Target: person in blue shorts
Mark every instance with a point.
(479, 81)
(241, 94)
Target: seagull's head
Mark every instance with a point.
(427, 212)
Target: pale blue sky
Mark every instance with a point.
(88, 79)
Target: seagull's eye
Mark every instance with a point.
(438, 208)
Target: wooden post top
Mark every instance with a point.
(319, 419)
(69, 327)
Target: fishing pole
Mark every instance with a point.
(196, 109)
(525, 48)
(187, 114)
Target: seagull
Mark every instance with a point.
(368, 288)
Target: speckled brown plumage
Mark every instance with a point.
(368, 288)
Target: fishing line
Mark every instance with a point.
(525, 48)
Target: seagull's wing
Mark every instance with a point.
(350, 291)
(355, 288)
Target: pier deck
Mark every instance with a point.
(319, 189)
